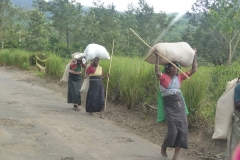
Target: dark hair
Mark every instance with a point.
(167, 66)
(96, 58)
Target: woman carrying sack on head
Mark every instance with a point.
(174, 108)
(95, 96)
(74, 83)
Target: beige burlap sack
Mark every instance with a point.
(224, 111)
(85, 84)
(66, 73)
(175, 52)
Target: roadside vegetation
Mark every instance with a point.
(133, 82)
(46, 33)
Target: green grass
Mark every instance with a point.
(55, 66)
(17, 58)
(133, 83)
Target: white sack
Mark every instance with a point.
(85, 84)
(224, 111)
(175, 52)
(77, 55)
(66, 73)
(95, 50)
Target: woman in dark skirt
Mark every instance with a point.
(95, 96)
(174, 108)
(233, 139)
(74, 83)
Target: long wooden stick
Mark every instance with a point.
(158, 53)
(108, 77)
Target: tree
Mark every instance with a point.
(7, 15)
(109, 23)
(218, 32)
(144, 16)
(128, 44)
(37, 38)
(63, 14)
(150, 25)
(90, 29)
(226, 16)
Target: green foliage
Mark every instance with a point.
(8, 14)
(60, 26)
(198, 97)
(17, 58)
(40, 74)
(128, 81)
(54, 66)
(64, 16)
(204, 89)
(217, 29)
(221, 75)
(37, 38)
(63, 51)
(132, 82)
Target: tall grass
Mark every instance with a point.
(17, 58)
(198, 96)
(55, 66)
(204, 89)
(221, 75)
(133, 82)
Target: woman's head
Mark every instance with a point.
(79, 61)
(171, 69)
(95, 61)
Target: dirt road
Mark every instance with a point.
(36, 123)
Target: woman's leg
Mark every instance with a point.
(164, 151)
(101, 114)
(175, 157)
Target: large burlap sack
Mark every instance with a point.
(95, 50)
(85, 84)
(66, 73)
(175, 52)
(224, 111)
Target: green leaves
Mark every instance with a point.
(37, 37)
(217, 29)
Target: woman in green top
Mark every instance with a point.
(74, 83)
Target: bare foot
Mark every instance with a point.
(174, 158)
(75, 107)
(101, 115)
(164, 151)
